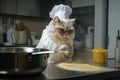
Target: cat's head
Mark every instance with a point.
(61, 31)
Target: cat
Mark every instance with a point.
(58, 36)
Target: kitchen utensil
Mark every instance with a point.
(20, 60)
(43, 52)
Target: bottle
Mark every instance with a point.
(29, 39)
(117, 52)
(11, 32)
(2, 32)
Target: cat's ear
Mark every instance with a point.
(56, 20)
(73, 20)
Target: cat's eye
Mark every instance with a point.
(61, 31)
(70, 31)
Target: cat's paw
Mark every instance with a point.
(63, 47)
(65, 50)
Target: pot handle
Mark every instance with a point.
(43, 52)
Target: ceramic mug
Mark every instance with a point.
(21, 37)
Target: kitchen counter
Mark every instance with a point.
(54, 73)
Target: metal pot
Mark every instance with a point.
(20, 60)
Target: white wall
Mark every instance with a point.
(100, 24)
(114, 25)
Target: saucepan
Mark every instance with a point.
(23, 60)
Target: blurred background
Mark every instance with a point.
(97, 22)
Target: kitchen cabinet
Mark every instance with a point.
(83, 10)
(45, 7)
(36, 8)
(82, 3)
(83, 6)
(8, 6)
(28, 7)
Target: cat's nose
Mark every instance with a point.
(66, 33)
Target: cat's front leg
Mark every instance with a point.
(63, 53)
(66, 50)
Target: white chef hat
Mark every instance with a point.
(62, 11)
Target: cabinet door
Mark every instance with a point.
(82, 3)
(8, 6)
(28, 7)
(45, 7)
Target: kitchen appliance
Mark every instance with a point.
(22, 60)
